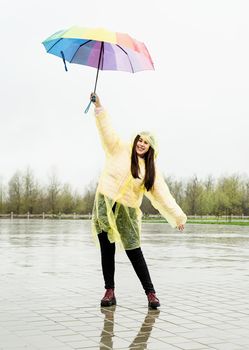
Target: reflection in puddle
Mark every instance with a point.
(140, 340)
(108, 328)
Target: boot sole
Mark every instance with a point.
(153, 306)
(108, 303)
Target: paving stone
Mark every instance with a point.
(227, 346)
(190, 346)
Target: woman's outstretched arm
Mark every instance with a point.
(164, 202)
(109, 138)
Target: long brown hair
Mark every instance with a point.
(149, 165)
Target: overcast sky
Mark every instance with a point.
(196, 100)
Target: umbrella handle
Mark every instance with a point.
(88, 107)
(93, 99)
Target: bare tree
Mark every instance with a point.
(177, 188)
(15, 193)
(88, 197)
(245, 197)
(2, 197)
(194, 197)
(228, 195)
(53, 191)
(30, 191)
(66, 200)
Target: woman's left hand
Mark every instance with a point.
(180, 227)
(96, 100)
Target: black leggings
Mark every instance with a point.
(136, 257)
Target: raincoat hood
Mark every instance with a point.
(151, 139)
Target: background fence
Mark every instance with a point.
(155, 217)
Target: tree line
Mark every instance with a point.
(226, 195)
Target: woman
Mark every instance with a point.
(130, 172)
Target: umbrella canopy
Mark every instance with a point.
(82, 46)
(99, 48)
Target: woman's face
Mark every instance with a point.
(142, 147)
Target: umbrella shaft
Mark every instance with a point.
(100, 56)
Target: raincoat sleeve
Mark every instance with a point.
(109, 138)
(163, 201)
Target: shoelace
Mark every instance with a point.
(109, 294)
(152, 297)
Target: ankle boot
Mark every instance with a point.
(109, 298)
(153, 301)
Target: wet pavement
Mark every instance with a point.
(51, 285)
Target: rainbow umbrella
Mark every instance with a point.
(99, 48)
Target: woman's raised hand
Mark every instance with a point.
(95, 99)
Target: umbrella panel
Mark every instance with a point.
(86, 52)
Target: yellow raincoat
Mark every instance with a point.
(119, 196)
